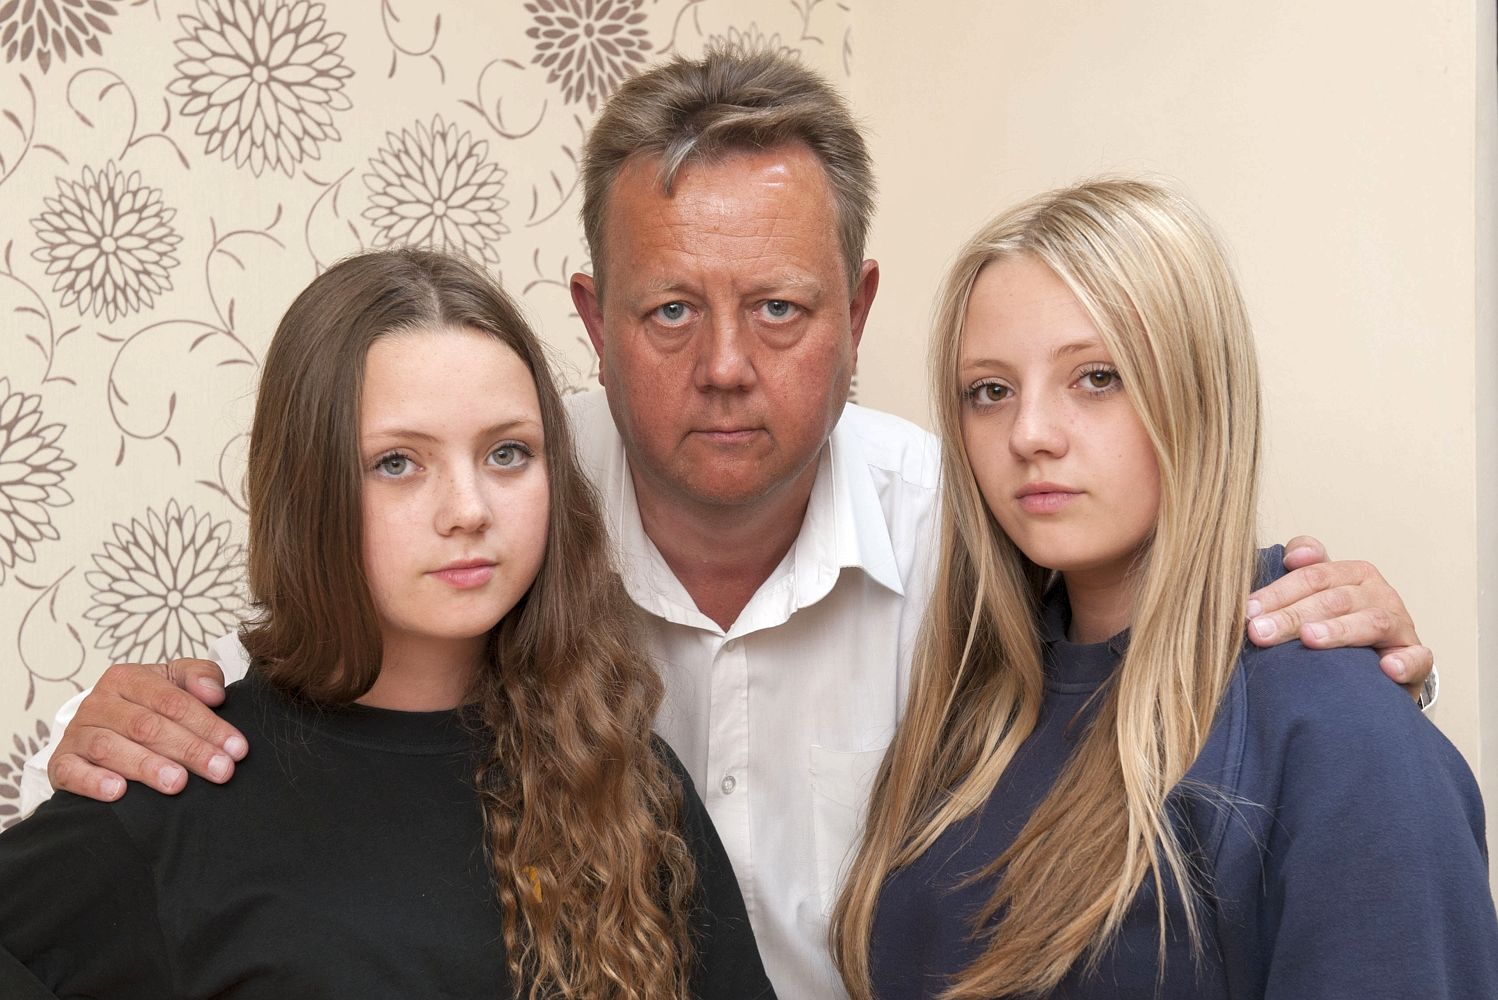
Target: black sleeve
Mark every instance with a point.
(78, 907)
(728, 962)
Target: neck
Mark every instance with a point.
(722, 554)
(424, 675)
(1102, 605)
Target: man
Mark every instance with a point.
(776, 539)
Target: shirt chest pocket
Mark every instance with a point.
(841, 781)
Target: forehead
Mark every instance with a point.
(1018, 305)
(446, 376)
(759, 208)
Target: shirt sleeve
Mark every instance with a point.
(728, 962)
(1375, 877)
(78, 907)
(36, 788)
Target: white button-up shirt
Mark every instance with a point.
(781, 719)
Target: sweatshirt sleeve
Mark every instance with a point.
(1374, 872)
(78, 907)
(728, 962)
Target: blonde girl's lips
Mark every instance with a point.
(1049, 502)
(465, 577)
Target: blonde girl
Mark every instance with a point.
(1098, 789)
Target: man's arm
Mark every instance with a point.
(1329, 604)
(148, 723)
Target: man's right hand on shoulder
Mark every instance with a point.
(147, 722)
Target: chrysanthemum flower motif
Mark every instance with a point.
(433, 187)
(12, 767)
(751, 39)
(166, 587)
(109, 240)
(263, 78)
(50, 29)
(31, 473)
(591, 46)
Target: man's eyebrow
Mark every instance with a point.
(493, 430)
(770, 285)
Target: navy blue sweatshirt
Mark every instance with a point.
(1352, 864)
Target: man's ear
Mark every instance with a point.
(585, 300)
(863, 299)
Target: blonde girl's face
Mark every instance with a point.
(1058, 451)
(455, 491)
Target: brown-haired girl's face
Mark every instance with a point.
(455, 491)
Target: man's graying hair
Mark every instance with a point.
(731, 99)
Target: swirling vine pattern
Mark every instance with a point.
(157, 160)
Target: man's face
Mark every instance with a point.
(727, 331)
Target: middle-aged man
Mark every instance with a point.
(776, 539)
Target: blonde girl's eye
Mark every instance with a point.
(1101, 379)
(510, 455)
(988, 393)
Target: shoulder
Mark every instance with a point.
(891, 445)
(1327, 730)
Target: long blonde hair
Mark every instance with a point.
(1158, 287)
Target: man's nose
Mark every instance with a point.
(725, 354)
(463, 505)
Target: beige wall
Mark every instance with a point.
(1335, 144)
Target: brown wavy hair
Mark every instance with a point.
(581, 814)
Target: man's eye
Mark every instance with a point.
(779, 309)
(671, 313)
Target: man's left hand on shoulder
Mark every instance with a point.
(1326, 604)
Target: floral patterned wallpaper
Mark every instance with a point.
(171, 174)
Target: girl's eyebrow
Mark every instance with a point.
(1076, 347)
(493, 430)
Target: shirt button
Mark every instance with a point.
(728, 784)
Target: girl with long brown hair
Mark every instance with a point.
(1098, 790)
(455, 790)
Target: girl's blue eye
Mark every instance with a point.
(508, 456)
(394, 464)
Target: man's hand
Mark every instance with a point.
(1328, 604)
(146, 722)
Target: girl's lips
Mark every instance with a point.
(465, 577)
(1048, 502)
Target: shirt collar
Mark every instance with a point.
(845, 527)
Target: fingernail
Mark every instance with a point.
(218, 767)
(112, 788)
(1254, 607)
(1299, 551)
(1318, 631)
(1399, 670)
(210, 685)
(1264, 628)
(236, 747)
(169, 776)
